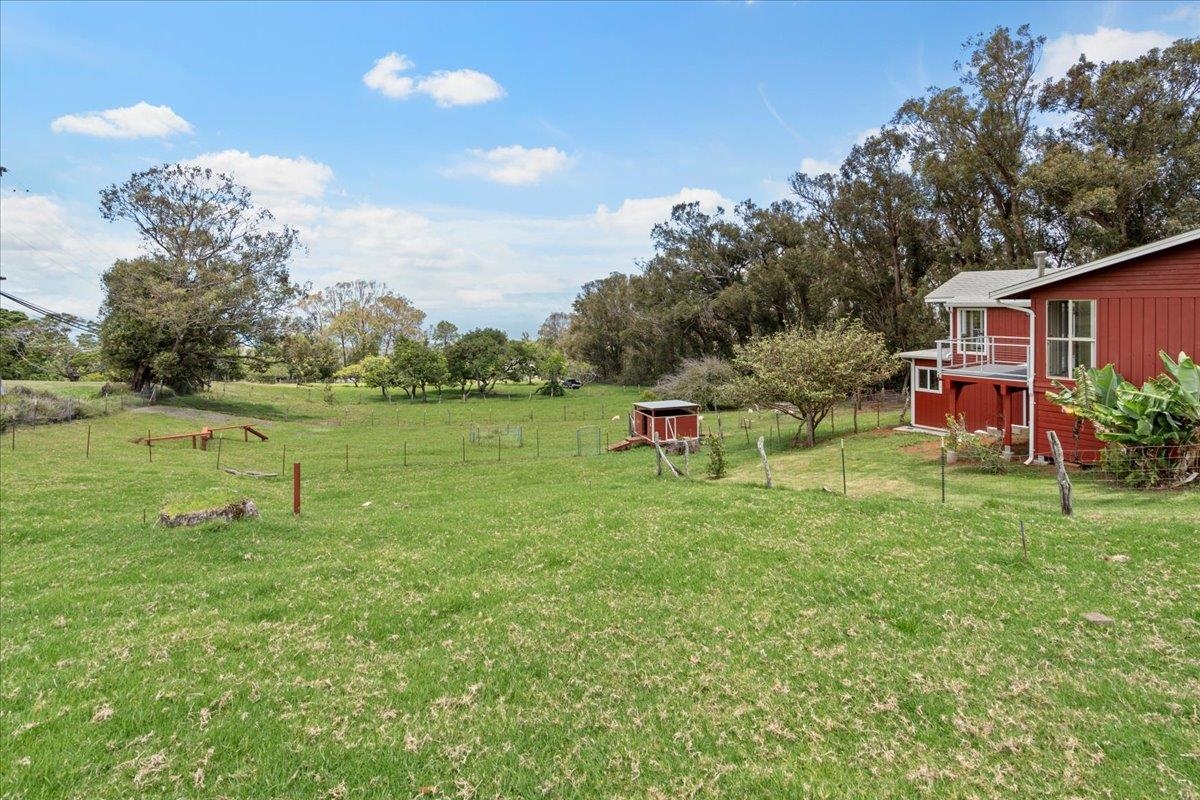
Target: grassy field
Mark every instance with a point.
(529, 622)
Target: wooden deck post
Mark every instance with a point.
(1064, 481)
(1006, 420)
(955, 391)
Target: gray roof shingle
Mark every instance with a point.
(976, 286)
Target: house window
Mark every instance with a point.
(1070, 336)
(972, 328)
(928, 381)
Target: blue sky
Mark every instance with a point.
(482, 159)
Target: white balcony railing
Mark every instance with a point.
(984, 354)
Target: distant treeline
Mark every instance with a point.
(976, 176)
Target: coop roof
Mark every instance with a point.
(665, 405)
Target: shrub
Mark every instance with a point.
(985, 451)
(648, 396)
(703, 381)
(25, 406)
(716, 456)
(552, 388)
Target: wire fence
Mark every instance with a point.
(23, 406)
(500, 435)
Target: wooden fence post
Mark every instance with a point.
(943, 460)
(1064, 481)
(296, 488)
(762, 452)
(843, 449)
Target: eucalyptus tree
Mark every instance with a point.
(1124, 168)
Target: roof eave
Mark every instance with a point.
(972, 302)
(1055, 276)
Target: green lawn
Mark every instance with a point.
(531, 623)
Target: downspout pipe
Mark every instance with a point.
(1030, 415)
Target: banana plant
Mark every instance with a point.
(1165, 411)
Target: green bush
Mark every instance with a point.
(716, 456)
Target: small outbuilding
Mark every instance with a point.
(663, 420)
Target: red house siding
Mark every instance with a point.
(1000, 322)
(977, 403)
(1142, 306)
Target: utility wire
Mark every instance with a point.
(66, 319)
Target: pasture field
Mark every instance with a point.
(536, 623)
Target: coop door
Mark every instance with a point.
(669, 428)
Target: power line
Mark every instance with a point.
(66, 319)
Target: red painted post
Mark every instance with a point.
(296, 488)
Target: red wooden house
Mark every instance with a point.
(1013, 333)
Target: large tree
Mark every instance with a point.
(479, 357)
(211, 285)
(552, 332)
(972, 143)
(805, 373)
(1124, 169)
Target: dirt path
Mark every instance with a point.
(197, 415)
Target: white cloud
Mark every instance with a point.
(285, 186)
(460, 87)
(386, 79)
(475, 268)
(862, 136)
(515, 165)
(131, 122)
(816, 166)
(1185, 13)
(277, 176)
(642, 213)
(1105, 45)
(54, 257)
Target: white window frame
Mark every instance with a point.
(963, 345)
(1070, 338)
(917, 379)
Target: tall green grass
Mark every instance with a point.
(534, 623)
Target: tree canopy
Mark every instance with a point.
(808, 372)
(212, 283)
(977, 175)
